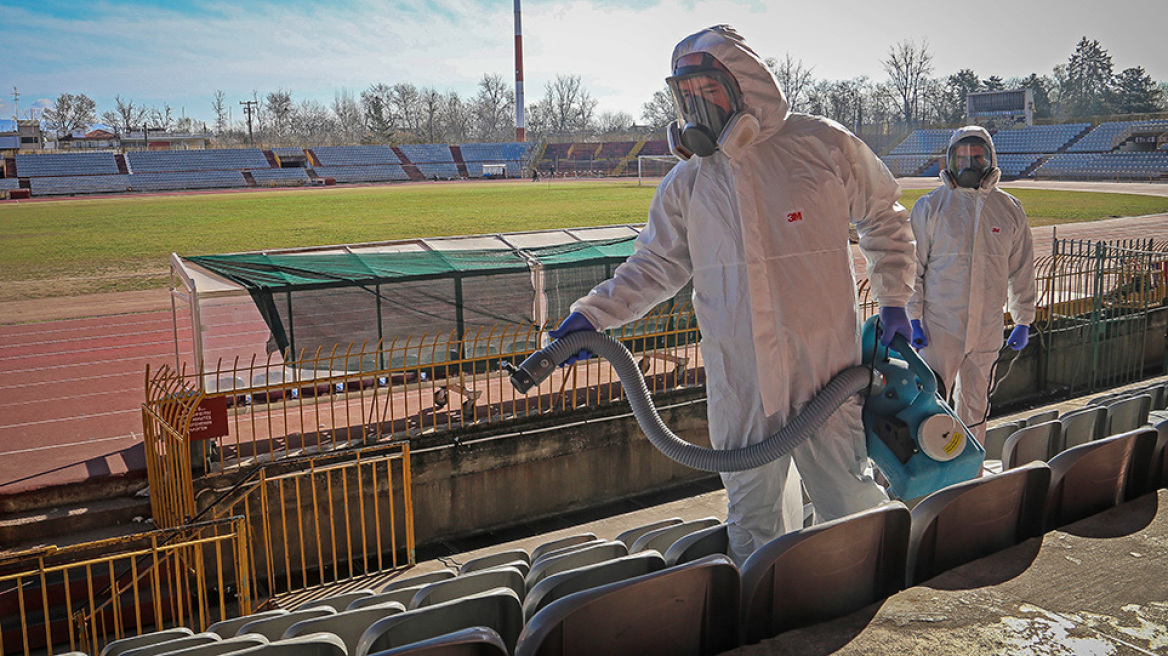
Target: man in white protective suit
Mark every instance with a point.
(975, 254)
(757, 214)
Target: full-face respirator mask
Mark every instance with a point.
(968, 162)
(709, 105)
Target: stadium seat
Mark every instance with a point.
(494, 560)
(630, 536)
(336, 602)
(499, 610)
(688, 609)
(1128, 413)
(1037, 442)
(347, 625)
(230, 627)
(465, 585)
(1098, 475)
(588, 556)
(316, 644)
(560, 543)
(663, 538)
(475, 641)
(823, 572)
(1082, 426)
(221, 647)
(966, 521)
(574, 580)
(420, 579)
(995, 439)
(1041, 417)
(553, 553)
(273, 628)
(699, 544)
(401, 596)
(117, 647)
(181, 642)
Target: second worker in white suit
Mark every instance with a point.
(975, 256)
(757, 214)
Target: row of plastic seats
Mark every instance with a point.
(1046, 434)
(693, 599)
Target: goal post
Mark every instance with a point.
(653, 166)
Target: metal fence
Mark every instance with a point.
(81, 597)
(367, 394)
(326, 522)
(1095, 306)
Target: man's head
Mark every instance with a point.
(706, 96)
(969, 160)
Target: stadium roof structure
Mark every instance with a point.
(313, 298)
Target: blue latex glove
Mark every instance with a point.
(919, 338)
(1019, 337)
(573, 324)
(894, 321)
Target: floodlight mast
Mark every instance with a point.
(519, 125)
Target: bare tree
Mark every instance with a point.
(458, 118)
(908, 67)
(160, 117)
(613, 123)
(125, 116)
(430, 107)
(405, 103)
(660, 111)
(220, 107)
(493, 108)
(377, 105)
(793, 77)
(348, 117)
(69, 112)
(279, 108)
(567, 106)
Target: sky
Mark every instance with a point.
(181, 51)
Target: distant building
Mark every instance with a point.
(20, 135)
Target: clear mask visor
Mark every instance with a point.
(969, 153)
(708, 98)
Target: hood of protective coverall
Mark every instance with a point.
(761, 96)
(991, 180)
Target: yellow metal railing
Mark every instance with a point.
(364, 394)
(326, 522)
(80, 597)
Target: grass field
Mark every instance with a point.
(68, 247)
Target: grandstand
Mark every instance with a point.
(1108, 151)
(1089, 482)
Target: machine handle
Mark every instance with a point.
(923, 371)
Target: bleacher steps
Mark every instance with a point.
(456, 153)
(409, 167)
(250, 179)
(123, 166)
(73, 523)
(271, 157)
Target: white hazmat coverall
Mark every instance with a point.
(974, 254)
(764, 236)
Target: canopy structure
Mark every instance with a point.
(410, 290)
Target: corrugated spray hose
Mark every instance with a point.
(540, 365)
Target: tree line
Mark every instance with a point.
(911, 97)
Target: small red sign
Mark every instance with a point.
(210, 419)
(794, 216)
(997, 230)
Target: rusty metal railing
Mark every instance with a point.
(80, 597)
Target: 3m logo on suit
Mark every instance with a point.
(996, 230)
(792, 217)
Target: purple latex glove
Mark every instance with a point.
(1019, 337)
(573, 324)
(894, 321)
(919, 339)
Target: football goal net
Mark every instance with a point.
(653, 166)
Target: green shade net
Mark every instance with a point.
(315, 305)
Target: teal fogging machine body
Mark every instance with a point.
(914, 437)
